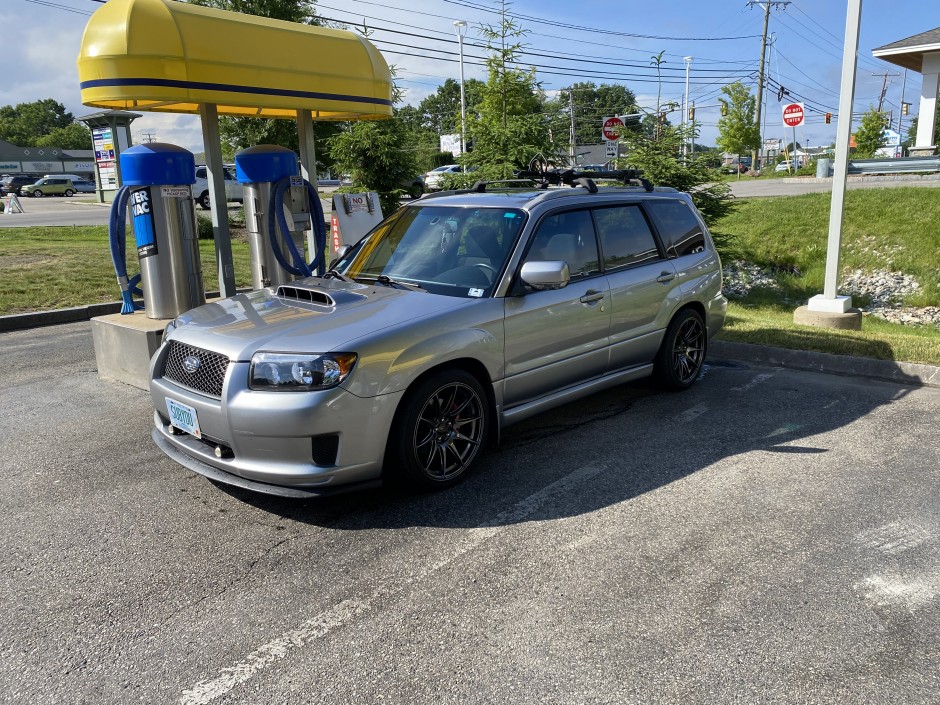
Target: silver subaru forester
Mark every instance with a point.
(458, 315)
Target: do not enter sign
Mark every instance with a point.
(793, 114)
(611, 129)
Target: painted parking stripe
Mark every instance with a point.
(346, 611)
(758, 379)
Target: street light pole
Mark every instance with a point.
(461, 27)
(688, 63)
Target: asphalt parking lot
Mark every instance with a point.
(770, 536)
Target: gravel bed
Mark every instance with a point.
(886, 289)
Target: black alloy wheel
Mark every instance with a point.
(682, 353)
(444, 425)
(204, 201)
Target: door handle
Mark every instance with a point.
(591, 296)
(665, 277)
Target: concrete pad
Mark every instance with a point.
(124, 345)
(850, 320)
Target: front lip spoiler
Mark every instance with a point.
(227, 478)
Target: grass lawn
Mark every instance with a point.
(894, 230)
(58, 267)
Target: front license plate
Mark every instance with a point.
(183, 417)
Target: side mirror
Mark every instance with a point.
(552, 274)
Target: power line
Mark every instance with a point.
(45, 3)
(596, 30)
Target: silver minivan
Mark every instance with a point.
(459, 314)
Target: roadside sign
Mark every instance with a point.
(793, 114)
(612, 149)
(611, 129)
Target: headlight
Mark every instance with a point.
(287, 372)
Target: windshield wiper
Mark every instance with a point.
(333, 274)
(396, 284)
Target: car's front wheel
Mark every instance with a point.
(682, 352)
(37, 194)
(443, 425)
(204, 200)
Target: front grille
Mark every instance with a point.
(209, 374)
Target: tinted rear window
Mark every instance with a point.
(679, 228)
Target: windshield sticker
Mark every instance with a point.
(476, 293)
(509, 215)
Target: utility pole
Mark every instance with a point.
(884, 87)
(760, 71)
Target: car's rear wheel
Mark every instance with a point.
(682, 352)
(69, 192)
(204, 200)
(442, 427)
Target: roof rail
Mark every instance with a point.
(569, 177)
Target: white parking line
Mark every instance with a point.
(758, 379)
(346, 611)
(691, 413)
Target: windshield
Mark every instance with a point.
(450, 250)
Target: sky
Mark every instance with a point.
(566, 41)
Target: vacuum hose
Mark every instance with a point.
(117, 234)
(276, 219)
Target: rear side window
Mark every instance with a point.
(626, 238)
(201, 173)
(680, 230)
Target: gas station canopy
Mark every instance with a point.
(169, 56)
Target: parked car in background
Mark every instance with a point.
(787, 165)
(415, 186)
(12, 184)
(84, 185)
(234, 191)
(49, 187)
(458, 315)
(432, 180)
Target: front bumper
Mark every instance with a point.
(268, 438)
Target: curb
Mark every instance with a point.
(39, 319)
(887, 370)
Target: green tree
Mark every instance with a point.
(73, 136)
(738, 131)
(289, 10)
(870, 135)
(26, 123)
(657, 158)
(509, 125)
(657, 61)
(377, 155)
(440, 111)
(591, 103)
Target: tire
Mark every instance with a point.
(204, 202)
(682, 352)
(69, 193)
(417, 191)
(442, 425)
(37, 194)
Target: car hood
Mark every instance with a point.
(311, 315)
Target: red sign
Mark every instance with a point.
(611, 129)
(793, 114)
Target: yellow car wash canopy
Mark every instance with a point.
(170, 56)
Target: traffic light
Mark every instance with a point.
(828, 118)
(662, 117)
(905, 108)
(692, 114)
(724, 108)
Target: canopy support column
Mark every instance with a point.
(308, 166)
(926, 139)
(219, 205)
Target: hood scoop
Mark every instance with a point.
(313, 296)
